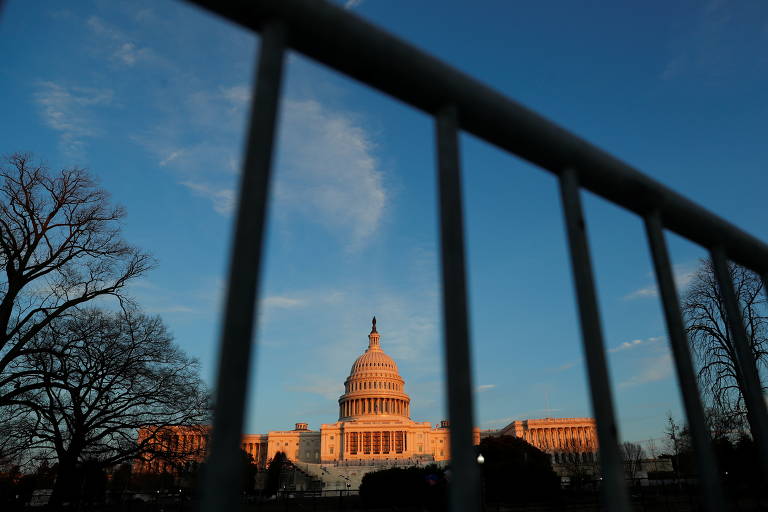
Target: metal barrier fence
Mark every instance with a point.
(347, 43)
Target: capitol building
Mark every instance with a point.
(374, 428)
(374, 422)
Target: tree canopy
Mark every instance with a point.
(515, 470)
(108, 375)
(60, 247)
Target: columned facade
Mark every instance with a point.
(566, 439)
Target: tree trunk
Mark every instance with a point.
(66, 489)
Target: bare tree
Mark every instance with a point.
(633, 455)
(60, 247)
(712, 342)
(108, 375)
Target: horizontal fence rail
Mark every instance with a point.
(349, 44)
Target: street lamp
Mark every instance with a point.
(481, 460)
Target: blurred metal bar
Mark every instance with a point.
(465, 478)
(614, 493)
(221, 485)
(757, 414)
(351, 45)
(709, 477)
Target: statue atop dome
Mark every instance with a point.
(373, 324)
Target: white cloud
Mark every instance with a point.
(565, 366)
(328, 171)
(629, 345)
(277, 301)
(128, 53)
(351, 4)
(653, 369)
(238, 95)
(68, 110)
(171, 157)
(683, 275)
(223, 199)
(484, 387)
(120, 47)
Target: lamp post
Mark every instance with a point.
(481, 461)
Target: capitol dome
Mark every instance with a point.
(374, 386)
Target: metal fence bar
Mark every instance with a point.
(757, 414)
(612, 465)
(222, 478)
(465, 478)
(361, 50)
(711, 489)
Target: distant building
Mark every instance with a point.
(375, 428)
(565, 439)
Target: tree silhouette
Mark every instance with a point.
(60, 247)
(712, 342)
(109, 375)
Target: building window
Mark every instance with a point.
(331, 449)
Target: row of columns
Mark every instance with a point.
(376, 442)
(255, 450)
(182, 443)
(181, 448)
(364, 386)
(562, 438)
(360, 406)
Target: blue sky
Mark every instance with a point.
(152, 97)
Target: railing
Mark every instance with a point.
(457, 102)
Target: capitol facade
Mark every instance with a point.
(374, 427)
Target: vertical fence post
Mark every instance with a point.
(709, 477)
(750, 387)
(611, 462)
(222, 476)
(465, 478)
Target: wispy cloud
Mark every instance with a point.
(351, 4)
(277, 301)
(328, 172)
(653, 369)
(222, 199)
(484, 387)
(682, 273)
(629, 345)
(565, 366)
(69, 111)
(120, 48)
